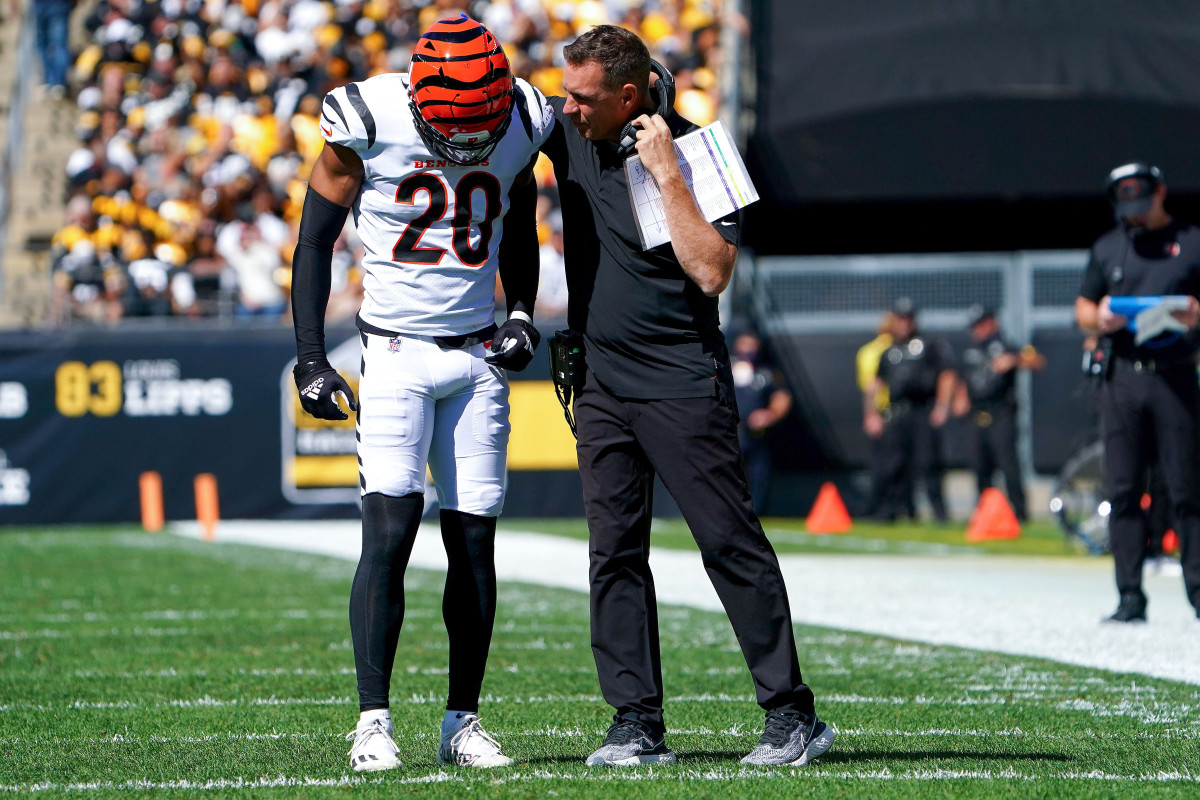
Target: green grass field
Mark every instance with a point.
(137, 665)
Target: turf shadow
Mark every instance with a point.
(923, 755)
(858, 756)
(576, 760)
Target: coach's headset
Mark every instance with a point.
(662, 93)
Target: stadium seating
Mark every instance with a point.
(185, 143)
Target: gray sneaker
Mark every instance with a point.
(791, 738)
(629, 743)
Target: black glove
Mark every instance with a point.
(513, 345)
(317, 382)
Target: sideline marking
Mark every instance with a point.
(715, 774)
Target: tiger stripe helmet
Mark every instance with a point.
(460, 89)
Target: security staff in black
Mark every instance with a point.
(658, 399)
(1149, 400)
(918, 372)
(989, 391)
(763, 402)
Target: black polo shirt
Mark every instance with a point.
(989, 390)
(1165, 261)
(649, 332)
(911, 368)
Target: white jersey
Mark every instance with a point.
(431, 228)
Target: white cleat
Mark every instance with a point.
(471, 746)
(373, 748)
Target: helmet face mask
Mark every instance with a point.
(460, 90)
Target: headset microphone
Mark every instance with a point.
(662, 92)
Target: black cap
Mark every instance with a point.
(1130, 188)
(979, 313)
(904, 307)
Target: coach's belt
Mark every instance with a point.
(1151, 366)
(459, 342)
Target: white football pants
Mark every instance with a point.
(421, 404)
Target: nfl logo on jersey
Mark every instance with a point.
(394, 344)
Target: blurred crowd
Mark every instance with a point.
(197, 130)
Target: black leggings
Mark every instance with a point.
(377, 597)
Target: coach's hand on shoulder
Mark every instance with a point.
(514, 343)
(318, 382)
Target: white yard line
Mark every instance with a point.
(615, 775)
(1044, 607)
(1152, 711)
(751, 734)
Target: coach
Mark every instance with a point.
(1149, 400)
(659, 398)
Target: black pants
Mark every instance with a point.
(1158, 515)
(911, 445)
(1150, 418)
(692, 445)
(995, 447)
(888, 501)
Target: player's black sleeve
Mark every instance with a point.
(312, 264)
(519, 263)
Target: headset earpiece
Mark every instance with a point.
(628, 139)
(662, 93)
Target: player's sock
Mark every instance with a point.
(454, 720)
(377, 596)
(469, 602)
(382, 714)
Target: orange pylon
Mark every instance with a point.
(828, 514)
(207, 511)
(150, 488)
(993, 518)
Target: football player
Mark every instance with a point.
(435, 165)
